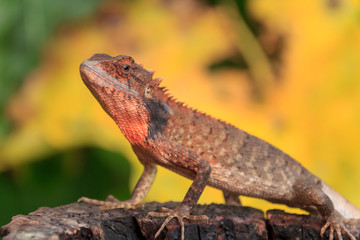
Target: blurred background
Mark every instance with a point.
(285, 71)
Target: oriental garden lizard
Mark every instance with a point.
(163, 131)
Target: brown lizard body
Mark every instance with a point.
(162, 131)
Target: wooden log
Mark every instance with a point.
(86, 221)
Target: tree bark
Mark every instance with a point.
(85, 221)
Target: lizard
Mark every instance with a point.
(164, 131)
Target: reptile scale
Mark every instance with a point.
(162, 131)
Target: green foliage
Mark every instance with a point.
(61, 179)
(25, 26)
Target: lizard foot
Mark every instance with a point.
(180, 213)
(336, 222)
(111, 203)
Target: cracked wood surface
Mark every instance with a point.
(86, 221)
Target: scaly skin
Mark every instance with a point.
(162, 131)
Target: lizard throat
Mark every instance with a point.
(129, 115)
(121, 103)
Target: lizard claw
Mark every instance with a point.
(336, 222)
(180, 213)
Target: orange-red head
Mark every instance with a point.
(124, 89)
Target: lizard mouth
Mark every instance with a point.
(92, 74)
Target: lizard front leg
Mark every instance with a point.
(190, 200)
(189, 160)
(141, 189)
(312, 196)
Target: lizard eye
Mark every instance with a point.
(147, 91)
(126, 68)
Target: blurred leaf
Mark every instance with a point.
(25, 27)
(231, 62)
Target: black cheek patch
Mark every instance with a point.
(158, 117)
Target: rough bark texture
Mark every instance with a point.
(85, 221)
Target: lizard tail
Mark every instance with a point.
(341, 204)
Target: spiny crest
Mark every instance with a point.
(156, 81)
(174, 102)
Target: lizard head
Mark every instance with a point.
(120, 73)
(124, 90)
